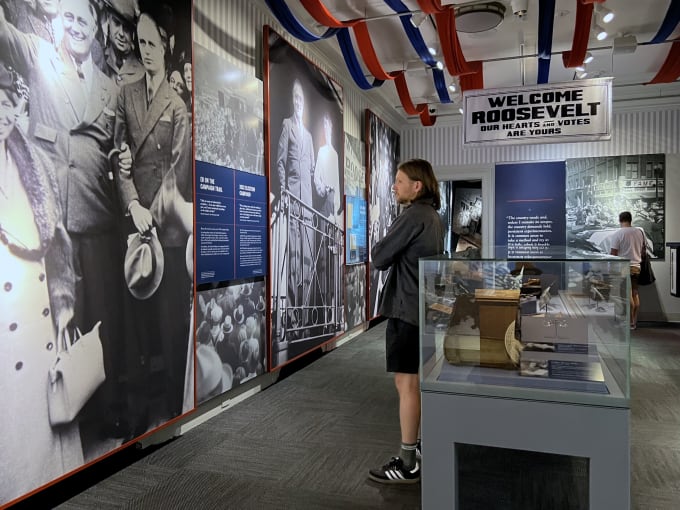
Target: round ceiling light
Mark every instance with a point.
(479, 17)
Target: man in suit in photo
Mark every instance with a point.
(121, 63)
(153, 134)
(72, 113)
(295, 168)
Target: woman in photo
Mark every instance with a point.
(37, 286)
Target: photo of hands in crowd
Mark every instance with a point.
(95, 223)
(306, 195)
(383, 157)
(230, 348)
(229, 127)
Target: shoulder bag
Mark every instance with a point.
(75, 375)
(646, 276)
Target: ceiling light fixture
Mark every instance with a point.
(581, 68)
(600, 33)
(481, 17)
(452, 87)
(431, 50)
(624, 44)
(589, 58)
(460, 110)
(439, 65)
(581, 74)
(417, 19)
(606, 14)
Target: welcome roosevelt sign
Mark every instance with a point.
(552, 113)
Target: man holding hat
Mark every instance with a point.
(122, 65)
(152, 134)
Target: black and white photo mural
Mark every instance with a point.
(229, 126)
(305, 148)
(230, 338)
(598, 189)
(95, 230)
(382, 160)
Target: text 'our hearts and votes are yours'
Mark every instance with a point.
(536, 113)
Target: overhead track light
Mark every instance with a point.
(589, 58)
(581, 74)
(439, 65)
(452, 87)
(600, 33)
(581, 68)
(607, 15)
(431, 51)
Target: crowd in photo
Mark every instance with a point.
(228, 135)
(230, 338)
(95, 223)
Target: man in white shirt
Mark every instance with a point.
(628, 242)
(327, 175)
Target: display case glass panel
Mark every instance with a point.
(542, 329)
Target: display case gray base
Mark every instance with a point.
(597, 433)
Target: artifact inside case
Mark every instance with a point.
(480, 326)
(555, 322)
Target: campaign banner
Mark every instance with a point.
(551, 113)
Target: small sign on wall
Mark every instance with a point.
(551, 113)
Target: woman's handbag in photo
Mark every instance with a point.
(77, 372)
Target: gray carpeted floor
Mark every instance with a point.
(308, 441)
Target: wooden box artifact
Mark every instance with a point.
(478, 328)
(497, 309)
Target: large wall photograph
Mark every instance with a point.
(305, 143)
(598, 189)
(382, 160)
(96, 215)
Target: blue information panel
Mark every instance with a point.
(251, 225)
(530, 210)
(231, 218)
(357, 241)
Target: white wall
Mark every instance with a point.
(633, 132)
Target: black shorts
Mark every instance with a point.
(634, 275)
(402, 348)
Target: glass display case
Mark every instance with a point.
(548, 330)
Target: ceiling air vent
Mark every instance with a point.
(479, 17)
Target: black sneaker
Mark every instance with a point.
(395, 472)
(419, 455)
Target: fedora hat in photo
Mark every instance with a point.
(125, 9)
(143, 264)
(212, 376)
(227, 326)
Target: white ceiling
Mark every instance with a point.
(502, 48)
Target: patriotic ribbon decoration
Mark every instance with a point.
(546, 15)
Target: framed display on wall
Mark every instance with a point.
(381, 163)
(304, 158)
(96, 238)
(600, 188)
